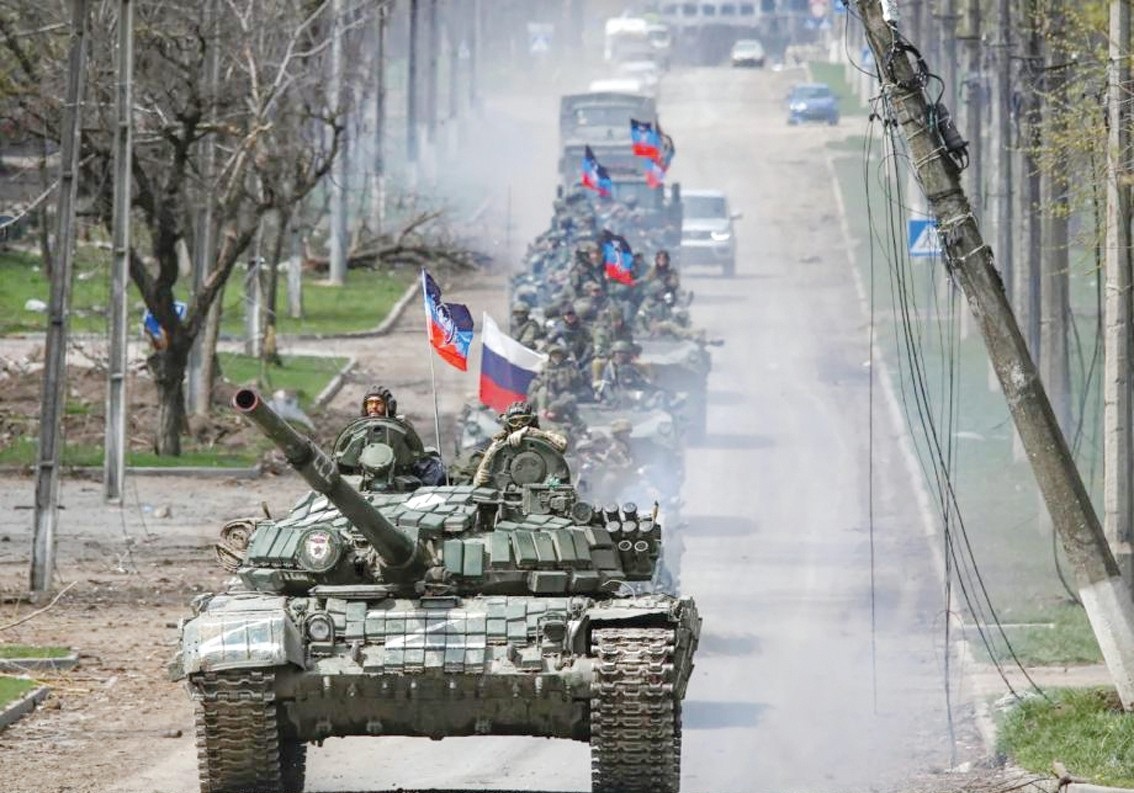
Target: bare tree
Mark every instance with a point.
(275, 139)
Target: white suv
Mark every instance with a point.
(707, 235)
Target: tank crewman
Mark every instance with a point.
(525, 328)
(612, 327)
(519, 421)
(559, 377)
(575, 337)
(621, 373)
(379, 401)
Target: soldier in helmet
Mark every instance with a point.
(621, 373)
(559, 377)
(519, 421)
(574, 336)
(525, 328)
(379, 401)
(612, 327)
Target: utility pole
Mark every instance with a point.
(337, 268)
(474, 50)
(949, 60)
(1055, 259)
(1001, 184)
(1118, 473)
(58, 312)
(200, 366)
(1103, 592)
(968, 34)
(411, 84)
(1029, 216)
(114, 452)
(433, 44)
(378, 179)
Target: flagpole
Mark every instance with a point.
(432, 366)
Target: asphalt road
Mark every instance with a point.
(821, 664)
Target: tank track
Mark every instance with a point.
(635, 721)
(241, 747)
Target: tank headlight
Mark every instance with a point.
(319, 550)
(320, 628)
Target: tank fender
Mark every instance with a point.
(256, 633)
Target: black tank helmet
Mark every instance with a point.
(383, 393)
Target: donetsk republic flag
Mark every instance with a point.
(450, 325)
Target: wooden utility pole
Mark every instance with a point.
(968, 35)
(58, 313)
(1104, 593)
(114, 450)
(1055, 258)
(1029, 216)
(1001, 181)
(338, 235)
(1118, 473)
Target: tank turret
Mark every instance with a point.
(320, 472)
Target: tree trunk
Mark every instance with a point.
(168, 369)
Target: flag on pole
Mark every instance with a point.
(618, 258)
(507, 367)
(594, 176)
(449, 325)
(644, 139)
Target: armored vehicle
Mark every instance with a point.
(377, 607)
(681, 366)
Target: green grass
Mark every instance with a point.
(361, 304)
(22, 452)
(1085, 730)
(12, 688)
(1019, 562)
(306, 375)
(32, 651)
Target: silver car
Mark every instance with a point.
(707, 235)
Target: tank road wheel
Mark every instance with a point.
(239, 739)
(635, 723)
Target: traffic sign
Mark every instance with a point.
(923, 238)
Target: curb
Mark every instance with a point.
(23, 665)
(22, 706)
(383, 327)
(332, 388)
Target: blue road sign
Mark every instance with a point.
(150, 326)
(922, 235)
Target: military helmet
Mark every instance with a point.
(519, 414)
(620, 425)
(383, 393)
(622, 346)
(556, 348)
(520, 307)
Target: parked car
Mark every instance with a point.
(812, 102)
(748, 52)
(707, 235)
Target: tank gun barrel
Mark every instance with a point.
(320, 472)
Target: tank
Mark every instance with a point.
(378, 608)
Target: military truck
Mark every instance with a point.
(379, 607)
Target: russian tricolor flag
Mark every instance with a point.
(507, 368)
(450, 325)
